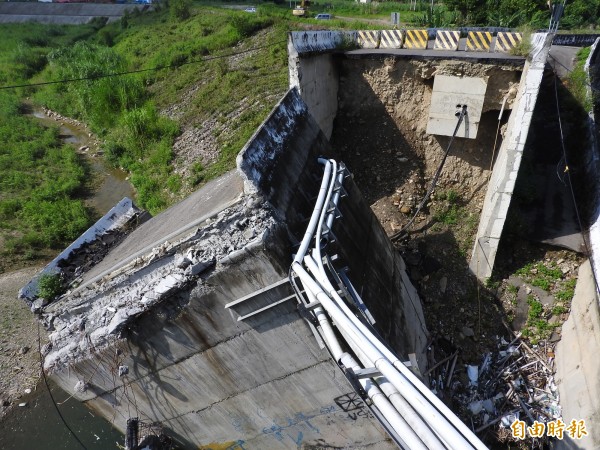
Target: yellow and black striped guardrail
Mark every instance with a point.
(368, 39)
(446, 40)
(479, 41)
(416, 39)
(391, 39)
(507, 41)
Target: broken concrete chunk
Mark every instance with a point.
(473, 374)
(181, 262)
(38, 304)
(81, 386)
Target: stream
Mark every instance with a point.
(37, 424)
(110, 183)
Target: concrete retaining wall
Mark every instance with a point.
(578, 365)
(213, 380)
(118, 216)
(592, 157)
(312, 70)
(575, 40)
(508, 162)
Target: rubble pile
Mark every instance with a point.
(91, 253)
(514, 382)
(101, 311)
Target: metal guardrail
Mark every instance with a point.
(413, 416)
(418, 39)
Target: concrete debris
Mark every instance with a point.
(81, 386)
(87, 250)
(146, 281)
(513, 382)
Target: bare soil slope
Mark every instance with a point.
(19, 356)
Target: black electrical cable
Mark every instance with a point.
(571, 190)
(129, 72)
(461, 115)
(50, 391)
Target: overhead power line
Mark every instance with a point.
(130, 72)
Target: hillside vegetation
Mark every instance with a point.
(217, 74)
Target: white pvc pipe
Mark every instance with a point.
(316, 214)
(425, 409)
(361, 332)
(323, 212)
(430, 396)
(335, 200)
(396, 421)
(402, 406)
(382, 403)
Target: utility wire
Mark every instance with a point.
(50, 391)
(129, 72)
(461, 115)
(571, 190)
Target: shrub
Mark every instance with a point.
(98, 101)
(180, 9)
(50, 286)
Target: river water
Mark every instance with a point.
(110, 183)
(38, 425)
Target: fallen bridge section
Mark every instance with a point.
(151, 331)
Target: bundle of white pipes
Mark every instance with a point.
(417, 418)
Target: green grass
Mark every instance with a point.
(50, 287)
(546, 276)
(577, 81)
(42, 184)
(449, 212)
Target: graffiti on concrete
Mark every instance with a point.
(353, 405)
(300, 428)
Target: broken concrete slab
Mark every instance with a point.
(158, 306)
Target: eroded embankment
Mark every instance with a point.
(380, 130)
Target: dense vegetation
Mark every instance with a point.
(43, 183)
(512, 13)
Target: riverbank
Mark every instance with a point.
(19, 355)
(19, 352)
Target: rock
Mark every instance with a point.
(27, 391)
(5, 403)
(553, 320)
(405, 210)
(24, 349)
(468, 332)
(38, 304)
(443, 284)
(249, 234)
(46, 348)
(84, 148)
(81, 386)
(123, 370)
(555, 337)
(181, 262)
(23, 405)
